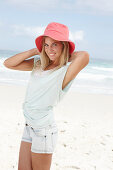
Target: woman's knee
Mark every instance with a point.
(41, 161)
(25, 161)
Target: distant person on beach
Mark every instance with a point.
(52, 74)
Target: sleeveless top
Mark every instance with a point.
(44, 91)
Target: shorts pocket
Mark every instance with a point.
(39, 132)
(39, 140)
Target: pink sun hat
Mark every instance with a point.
(58, 32)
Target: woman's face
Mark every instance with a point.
(53, 48)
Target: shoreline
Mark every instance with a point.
(70, 91)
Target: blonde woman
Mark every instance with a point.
(52, 74)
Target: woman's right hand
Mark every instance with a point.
(36, 51)
(20, 57)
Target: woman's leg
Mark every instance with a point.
(41, 161)
(25, 161)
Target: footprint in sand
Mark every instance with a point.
(62, 131)
(74, 167)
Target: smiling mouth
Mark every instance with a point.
(51, 54)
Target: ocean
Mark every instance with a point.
(96, 77)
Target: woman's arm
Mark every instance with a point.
(20, 57)
(78, 61)
(79, 54)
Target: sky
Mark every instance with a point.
(90, 24)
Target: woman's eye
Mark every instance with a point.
(55, 44)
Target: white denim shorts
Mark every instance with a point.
(43, 140)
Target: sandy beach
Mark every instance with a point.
(85, 123)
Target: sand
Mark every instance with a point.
(85, 124)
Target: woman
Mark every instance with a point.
(51, 77)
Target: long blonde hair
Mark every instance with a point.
(44, 60)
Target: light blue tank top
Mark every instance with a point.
(43, 92)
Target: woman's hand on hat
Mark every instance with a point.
(35, 51)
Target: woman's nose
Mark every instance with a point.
(50, 48)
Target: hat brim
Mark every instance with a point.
(38, 42)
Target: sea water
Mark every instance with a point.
(96, 77)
